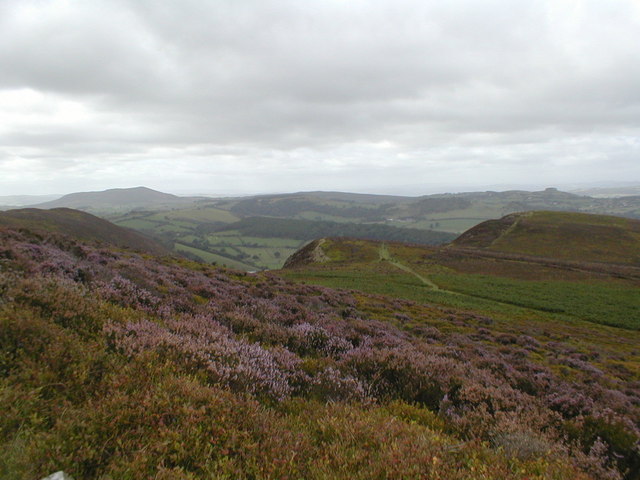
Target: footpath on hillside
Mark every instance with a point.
(385, 256)
(383, 251)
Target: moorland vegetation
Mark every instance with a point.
(119, 363)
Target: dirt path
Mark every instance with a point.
(386, 256)
(511, 228)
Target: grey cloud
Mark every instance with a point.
(322, 78)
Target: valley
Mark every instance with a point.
(261, 232)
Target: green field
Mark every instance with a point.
(594, 302)
(213, 258)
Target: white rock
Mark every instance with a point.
(58, 476)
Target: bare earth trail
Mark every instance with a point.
(511, 228)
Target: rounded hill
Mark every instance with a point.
(80, 225)
(563, 235)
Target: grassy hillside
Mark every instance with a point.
(505, 286)
(120, 365)
(554, 264)
(569, 236)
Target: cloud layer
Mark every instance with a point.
(237, 97)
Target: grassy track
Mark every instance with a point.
(386, 256)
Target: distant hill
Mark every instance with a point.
(80, 225)
(450, 212)
(116, 199)
(227, 231)
(13, 201)
(604, 192)
(563, 235)
(309, 230)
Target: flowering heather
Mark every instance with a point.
(156, 347)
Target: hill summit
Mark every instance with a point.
(115, 198)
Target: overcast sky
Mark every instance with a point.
(248, 96)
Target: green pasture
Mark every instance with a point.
(200, 214)
(137, 224)
(234, 238)
(214, 258)
(323, 217)
(600, 302)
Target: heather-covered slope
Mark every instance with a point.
(80, 225)
(115, 365)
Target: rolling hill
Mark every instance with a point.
(452, 212)
(118, 200)
(249, 232)
(568, 236)
(80, 225)
(260, 232)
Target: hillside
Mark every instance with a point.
(567, 236)
(80, 225)
(120, 365)
(591, 310)
(117, 199)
